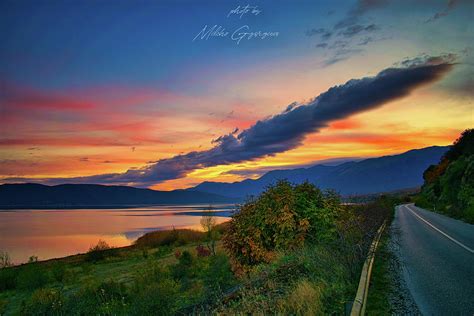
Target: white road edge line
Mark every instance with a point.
(440, 231)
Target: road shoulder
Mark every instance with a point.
(388, 293)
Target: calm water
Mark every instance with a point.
(58, 233)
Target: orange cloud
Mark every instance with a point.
(345, 124)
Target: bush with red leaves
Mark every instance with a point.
(203, 251)
(177, 254)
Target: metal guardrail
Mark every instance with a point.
(360, 301)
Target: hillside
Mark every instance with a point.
(30, 195)
(449, 185)
(187, 272)
(383, 174)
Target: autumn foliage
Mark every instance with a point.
(285, 216)
(449, 185)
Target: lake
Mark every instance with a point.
(58, 233)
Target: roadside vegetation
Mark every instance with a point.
(383, 284)
(160, 274)
(449, 186)
(298, 250)
(292, 250)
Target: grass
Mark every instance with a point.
(312, 280)
(309, 281)
(175, 237)
(381, 287)
(380, 284)
(170, 237)
(41, 284)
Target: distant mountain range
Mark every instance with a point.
(383, 174)
(30, 195)
(374, 175)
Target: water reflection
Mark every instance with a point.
(57, 233)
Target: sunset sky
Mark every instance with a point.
(127, 92)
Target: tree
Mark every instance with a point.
(98, 252)
(449, 185)
(5, 260)
(285, 216)
(208, 224)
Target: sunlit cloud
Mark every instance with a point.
(288, 129)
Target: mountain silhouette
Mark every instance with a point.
(29, 195)
(374, 175)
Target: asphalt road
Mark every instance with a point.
(437, 257)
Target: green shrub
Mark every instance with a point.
(8, 279)
(44, 302)
(163, 251)
(217, 275)
(186, 259)
(100, 251)
(58, 270)
(106, 298)
(152, 272)
(32, 277)
(282, 217)
(183, 270)
(169, 237)
(3, 306)
(157, 298)
(155, 292)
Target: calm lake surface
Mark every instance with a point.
(58, 233)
